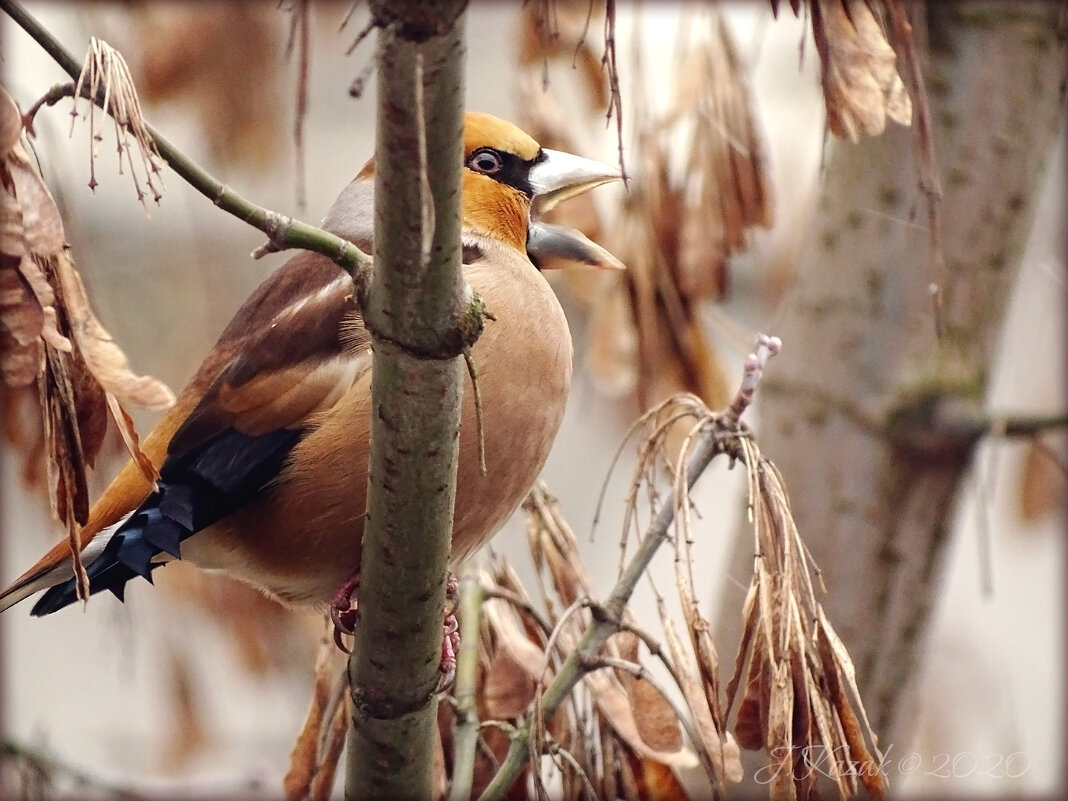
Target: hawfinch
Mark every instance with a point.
(263, 458)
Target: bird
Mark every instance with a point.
(263, 458)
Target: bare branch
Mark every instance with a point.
(284, 232)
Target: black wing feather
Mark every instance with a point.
(195, 489)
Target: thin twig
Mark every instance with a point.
(519, 603)
(299, 34)
(555, 749)
(477, 396)
(466, 732)
(48, 766)
(283, 231)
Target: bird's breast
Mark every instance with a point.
(523, 367)
(300, 541)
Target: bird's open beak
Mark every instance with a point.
(558, 247)
(555, 178)
(560, 176)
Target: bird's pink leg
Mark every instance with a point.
(344, 612)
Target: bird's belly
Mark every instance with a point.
(301, 540)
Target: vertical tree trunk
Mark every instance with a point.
(861, 412)
(416, 297)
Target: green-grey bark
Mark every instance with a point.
(416, 297)
(860, 412)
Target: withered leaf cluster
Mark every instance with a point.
(624, 731)
(799, 699)
(862, 88)
(314, 759)
(106, 77)
(623, 735)
(50, 337)
(697, 185)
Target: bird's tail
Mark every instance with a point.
(148, 538)
(131, 551)
(137, 545)
(56, 571)
(194, 491)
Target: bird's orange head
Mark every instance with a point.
(505, 169)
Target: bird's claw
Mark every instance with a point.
(452, 594)
(450, 642)
(344, 612)
(344, 621)
(450, 631)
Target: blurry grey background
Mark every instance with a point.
(97, 688)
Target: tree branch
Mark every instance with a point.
(472, 596)
(283, 231)
(49, 767)
(415, 305)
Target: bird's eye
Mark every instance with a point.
(485, 161)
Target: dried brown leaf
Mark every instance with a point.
(711, 738)
(105, 359)
(749, 616)
(842, 688)
(21, 324)
(10, 123)
(39, 272)
(655, 781)
(1041, 483)
(508, 689)
(615, 707)
(725, 187)
(506, 625)
(126, 429)
(66, 463)
(847, 673)
(779, 740)
(554, 547)
(322, 784)
(658, 725)
(858, 70)
(40, 227)
(751, 724)
(315, 754)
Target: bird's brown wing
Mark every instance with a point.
(292, 349)
(292, 360)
